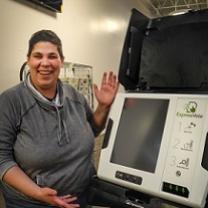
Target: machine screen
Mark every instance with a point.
(139, 133)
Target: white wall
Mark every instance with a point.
(92, 32)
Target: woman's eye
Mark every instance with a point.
(53, 57)
(37, 56)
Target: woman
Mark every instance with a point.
(47, 131)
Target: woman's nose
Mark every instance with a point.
(44, 61)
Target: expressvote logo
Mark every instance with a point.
(191, 107)
(190, 110)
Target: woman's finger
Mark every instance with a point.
(104, 80)
(69, 199)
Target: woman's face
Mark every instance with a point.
(44, 63)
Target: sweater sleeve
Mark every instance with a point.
(8, 131)
(75, 95)
(90, 119)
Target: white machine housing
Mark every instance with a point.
(156, 144)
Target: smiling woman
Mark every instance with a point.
(47, 132)
(45, 59)
(44, 63)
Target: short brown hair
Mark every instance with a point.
(45, 36)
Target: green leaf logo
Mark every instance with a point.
(191, 107)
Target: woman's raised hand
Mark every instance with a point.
(108, 89)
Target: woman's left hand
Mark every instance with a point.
(67, 201)
(107, 92)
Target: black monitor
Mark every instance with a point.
(144, 133)
(53, 5)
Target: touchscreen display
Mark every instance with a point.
(139, 133)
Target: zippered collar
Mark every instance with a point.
(56, 105)
(58, 100)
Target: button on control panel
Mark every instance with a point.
(175, 189)
(128, 177)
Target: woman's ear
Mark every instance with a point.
(27, 59)
(62, 62)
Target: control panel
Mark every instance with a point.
(186, 136)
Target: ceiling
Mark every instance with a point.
(167, 7)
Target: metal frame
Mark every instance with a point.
(167, 7)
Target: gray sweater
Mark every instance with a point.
(51, 143)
